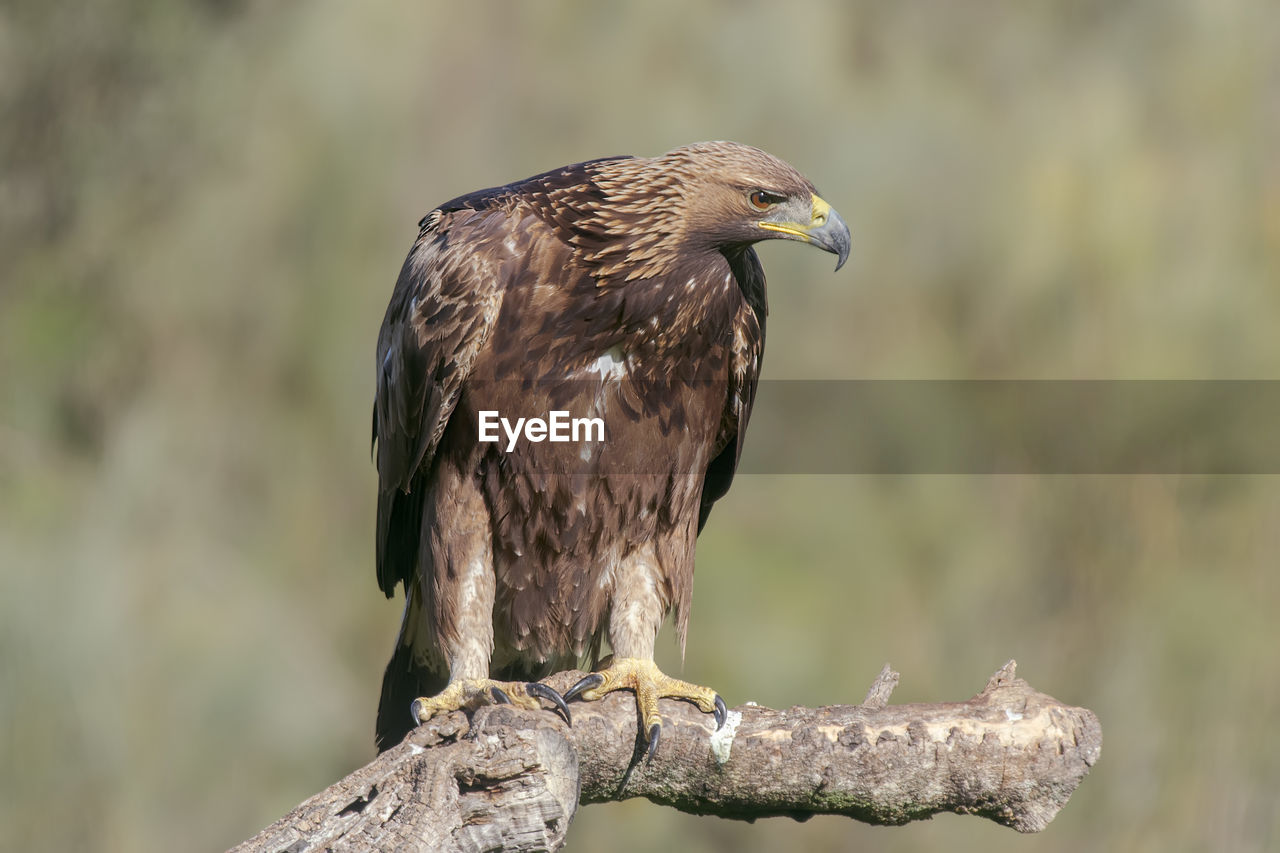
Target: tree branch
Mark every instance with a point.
(512, 779)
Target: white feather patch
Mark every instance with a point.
(611, 365)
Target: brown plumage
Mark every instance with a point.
(624, 289)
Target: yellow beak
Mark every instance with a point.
(825, 229)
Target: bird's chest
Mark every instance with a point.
(680, 328)
(675, 327)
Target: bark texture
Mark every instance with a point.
(510, 779)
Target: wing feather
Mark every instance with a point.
(748, 352)
(442, 310)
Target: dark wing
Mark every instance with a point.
(573, 175)
(443, 308)
(441, 312)
(748, 350)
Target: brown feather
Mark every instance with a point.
(507, 300)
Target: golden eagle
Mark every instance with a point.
(622, 289)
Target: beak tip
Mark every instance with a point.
(834, 237)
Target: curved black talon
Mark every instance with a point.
(595, 679)
(655, 731)
(721, 712)
(499, 695)
(542, 691)
(414, 710)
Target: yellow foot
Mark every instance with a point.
(650, 684)
(468, 694)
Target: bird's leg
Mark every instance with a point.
(465, 626)
(636, 614)
(469, 685)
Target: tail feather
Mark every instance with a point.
(404, 680)
(410, 674)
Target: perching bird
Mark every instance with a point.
(624, 289)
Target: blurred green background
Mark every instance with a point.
(203, 208)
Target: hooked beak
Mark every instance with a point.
(825, 229)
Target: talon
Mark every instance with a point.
(499, 695)
(591, 681)
(415, 711)
(642, 677)
(533, 688)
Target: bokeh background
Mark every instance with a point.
(203, 207)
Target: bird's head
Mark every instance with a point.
(734, 194)
(708, 197)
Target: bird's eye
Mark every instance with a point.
(763, 199)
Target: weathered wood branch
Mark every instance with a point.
(512, 779)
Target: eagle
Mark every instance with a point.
(623, 290)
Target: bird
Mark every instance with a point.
(621, 292)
